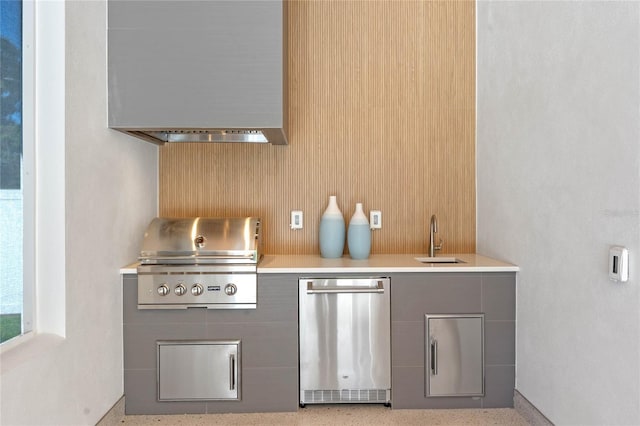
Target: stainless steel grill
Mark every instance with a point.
(200, 263)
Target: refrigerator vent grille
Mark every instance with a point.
(346, 396)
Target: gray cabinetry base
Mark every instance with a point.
(414, 295)
(269, 336)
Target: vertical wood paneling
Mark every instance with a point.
(381, 111)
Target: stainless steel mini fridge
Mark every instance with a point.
(345, 334)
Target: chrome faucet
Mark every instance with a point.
(433, 229)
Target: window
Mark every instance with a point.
(15, 157)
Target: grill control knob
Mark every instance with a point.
(197, 289)
(180, 290)
(163, 290)
(230, 289)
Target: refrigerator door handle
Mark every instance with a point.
(379, 288)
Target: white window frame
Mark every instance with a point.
(44, 276)
(50, 150)
(28, 183)
(28, 166)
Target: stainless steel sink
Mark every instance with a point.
(438, 259)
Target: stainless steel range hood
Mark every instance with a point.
(274, 136)
(198, 71)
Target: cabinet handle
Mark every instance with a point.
(232, 372)
(434, 357)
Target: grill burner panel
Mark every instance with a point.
(181, 291)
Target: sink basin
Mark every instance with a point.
(440, 259)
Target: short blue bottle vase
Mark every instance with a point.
(359, 235)
(359, 240)
(332, 231)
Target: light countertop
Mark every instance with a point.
(313, 263)
(275, 264)
(130, 269)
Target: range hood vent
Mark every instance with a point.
(254, 136)
(251, 136)
(198, 71)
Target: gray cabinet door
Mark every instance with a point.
(198, 370)
(454, 355)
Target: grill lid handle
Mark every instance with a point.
(200, 241)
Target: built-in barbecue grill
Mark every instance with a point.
(200, 263)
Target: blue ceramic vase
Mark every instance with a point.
(359, 235)
(332, 231)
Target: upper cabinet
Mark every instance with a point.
(198, 71)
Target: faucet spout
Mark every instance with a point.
(433, 229)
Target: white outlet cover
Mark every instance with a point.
(375, 219)
(296, 219)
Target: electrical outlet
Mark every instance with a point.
(375, 219)
(296, 219)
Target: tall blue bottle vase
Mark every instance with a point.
(332, 231)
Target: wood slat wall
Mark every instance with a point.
(381, 111)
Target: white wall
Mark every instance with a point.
(558, 153)
(110, 196)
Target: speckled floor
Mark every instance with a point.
(341, 415)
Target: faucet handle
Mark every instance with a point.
(439, 246)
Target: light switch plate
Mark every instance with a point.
(619, 264)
